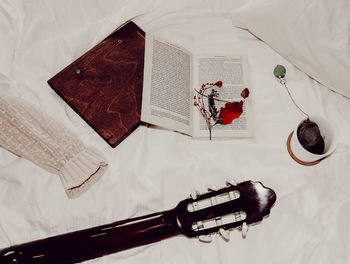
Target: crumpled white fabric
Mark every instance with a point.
(312, 34)
(153, 169)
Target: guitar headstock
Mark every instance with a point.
(227, 208)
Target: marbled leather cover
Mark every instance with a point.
(104, 86)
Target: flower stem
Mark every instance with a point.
(220, 100)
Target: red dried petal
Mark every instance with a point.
(230, 112)
(245, 93)
(218, 83)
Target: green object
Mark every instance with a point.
(279, 71)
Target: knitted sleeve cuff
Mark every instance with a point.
(82, 171)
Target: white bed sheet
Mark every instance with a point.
(153, 169)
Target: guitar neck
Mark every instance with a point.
(94, 242)
(227, 208)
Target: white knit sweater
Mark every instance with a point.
(33, 135)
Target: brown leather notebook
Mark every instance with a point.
(104, 86)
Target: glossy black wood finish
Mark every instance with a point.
(94, 242)
(255, 200)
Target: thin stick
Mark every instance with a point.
(283, 82)
(213, 98)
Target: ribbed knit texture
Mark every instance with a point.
(32, 134)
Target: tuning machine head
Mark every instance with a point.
(234, 206)
(231, 182)
(244, 230)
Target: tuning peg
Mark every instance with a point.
(205, 238)
(212, 188)
(244, 230)
(231, 182)
(224, 234)
(194, 193)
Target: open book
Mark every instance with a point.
(171, 74)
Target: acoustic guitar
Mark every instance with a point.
(234, 206)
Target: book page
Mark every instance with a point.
(232, 71)
(166, 98)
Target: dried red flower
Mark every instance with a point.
(218, 83)
(230, 112)
(245, 93)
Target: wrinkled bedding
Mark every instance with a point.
(153, 169)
